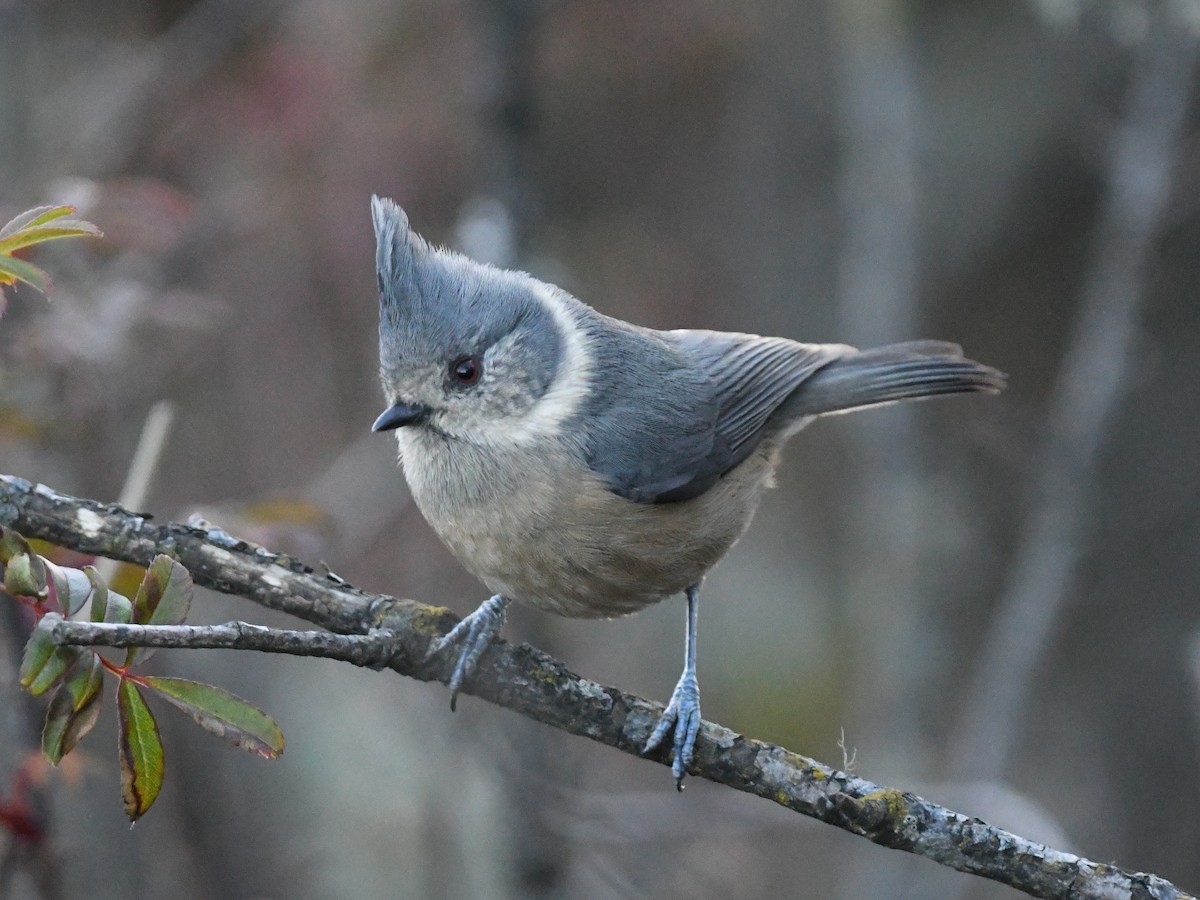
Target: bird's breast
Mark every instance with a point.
(537, 526)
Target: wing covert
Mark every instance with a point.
(715, 394)
(751, 377)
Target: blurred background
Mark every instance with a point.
(990, 601)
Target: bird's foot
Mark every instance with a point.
(476, 632)
(682, 715)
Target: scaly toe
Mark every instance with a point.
(686, 729)
(682, 716)
(476, 633)
(665, 722)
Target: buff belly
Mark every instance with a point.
(569, 545)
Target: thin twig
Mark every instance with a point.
(536, 685)
(368, 650)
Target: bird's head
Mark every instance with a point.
(471, 351)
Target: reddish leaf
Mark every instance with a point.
(165, 595)
(164, 598)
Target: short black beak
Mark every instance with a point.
(398, 416)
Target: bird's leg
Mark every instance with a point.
(683, 712)
(475, 633)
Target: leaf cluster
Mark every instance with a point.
(36, 226)
(73, 676)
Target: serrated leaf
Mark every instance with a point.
(74, 709)
(11, 544)
(119, 610)
(85, 682)
(24, 571)
(39, 215)
(99, 594)
(107, 606)
(13, 270)
(140, 750)
(224, 714)
(164, 598)
(165, 594)
(38, 650)
(60, 660)
(71, 587)
(39, 234)
(43, 662)
(21, 576)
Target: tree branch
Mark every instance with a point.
(369, 650)
(538, 686)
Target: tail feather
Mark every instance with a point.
(896, 372)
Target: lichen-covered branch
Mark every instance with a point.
(532, 683)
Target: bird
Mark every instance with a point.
(590, 467)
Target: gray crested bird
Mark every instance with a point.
(590, 467)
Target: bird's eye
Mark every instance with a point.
(465, 370)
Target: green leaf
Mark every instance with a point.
(36, 226)
(224, 714)
(43, 662)
(71, 587)
(38, 651)
(140, 751)
(39, 234)
(12, 544)
(119, 610)
(19, 577)
(107, 606)
(24, 571)
(74, 709)
(165, 594)
(164, 598)
(39, 215)
(60, 660)
(13, 270)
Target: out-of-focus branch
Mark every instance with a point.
(1097, 364)
(878, 302)
(131, 94)
(532, 683)
(143, 466)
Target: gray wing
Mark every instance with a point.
(752, 376)
(715, 394)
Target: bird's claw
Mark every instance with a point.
(683, 716)
(476, 633)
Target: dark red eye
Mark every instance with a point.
(465, 371)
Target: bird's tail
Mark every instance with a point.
(896, 372)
